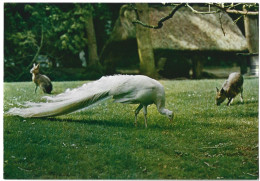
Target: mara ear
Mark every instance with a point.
(38, 65)
(217, 89)
(34, 65)
(222, 91)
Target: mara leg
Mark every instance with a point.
(35, 89)
(43, 89)
(137, 112)
(230, 100)
(241, 96)
(145, 114)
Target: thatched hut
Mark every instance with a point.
(184, 41)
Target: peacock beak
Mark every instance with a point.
(171, 118)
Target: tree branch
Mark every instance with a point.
(234, 11)
(221, 24)
(34, 58)
(160, 23)
(38, 51)
(178, 6)
(201, 12)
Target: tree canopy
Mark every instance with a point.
(55, 30)
(66, 34)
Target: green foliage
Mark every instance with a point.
(70, 27)
(70, 74)
(63, 26)
(204, 141)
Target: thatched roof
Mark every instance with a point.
(185, 31)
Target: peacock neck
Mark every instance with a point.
(163, 111)
(161, 107)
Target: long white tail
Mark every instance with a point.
(67, 102)
(128, 89)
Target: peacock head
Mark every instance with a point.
(170, 115)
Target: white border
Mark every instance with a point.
(65, 1)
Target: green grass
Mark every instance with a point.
(204, 141)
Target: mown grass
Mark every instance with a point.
(204, 141)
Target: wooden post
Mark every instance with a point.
(252, 38)
(197, 65)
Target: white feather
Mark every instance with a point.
(129, 89)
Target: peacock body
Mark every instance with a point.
(129, 89)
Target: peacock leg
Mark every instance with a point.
(145, 114)
(137, 112)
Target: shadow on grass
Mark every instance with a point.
(119, 123)
(245, 102)
(111, 123)
(123, 123)
(237, 102)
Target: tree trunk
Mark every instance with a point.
(197, 68)
(92, 43)
(143, 37)
(197, 65)
(252, 38)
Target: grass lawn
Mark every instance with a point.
(204, 141)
